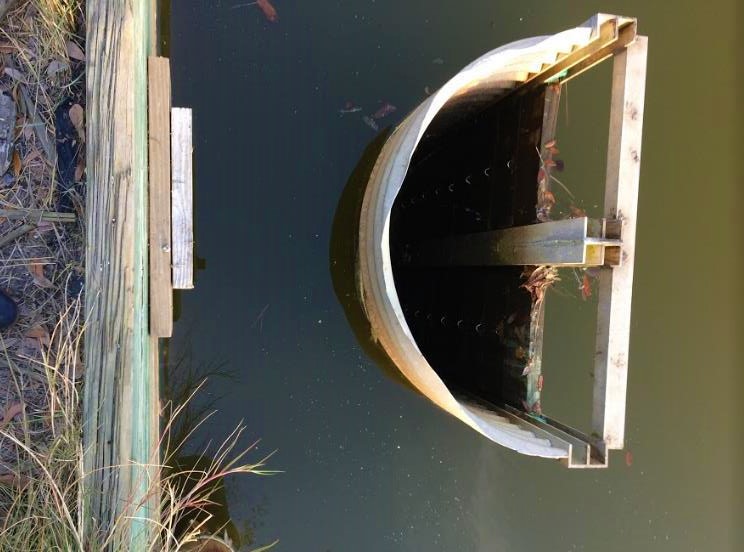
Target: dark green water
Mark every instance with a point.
(368, 465)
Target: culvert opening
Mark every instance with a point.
(471, 172)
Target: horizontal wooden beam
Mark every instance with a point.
(570, 242)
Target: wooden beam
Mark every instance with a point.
(119, 457)
(616, 284)
(569, 242)
(182, 199)
(161, 290)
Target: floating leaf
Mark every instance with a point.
(16, 163)
(75, 52)
(37, 271)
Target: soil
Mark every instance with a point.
(42, 238)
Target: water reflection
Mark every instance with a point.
(192, 464)
(343, 257)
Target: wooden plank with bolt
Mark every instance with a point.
(161, 291)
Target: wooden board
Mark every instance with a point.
(616, 284)
(161, 292)
(119, 457)
(182, 199)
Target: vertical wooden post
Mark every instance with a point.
(616, 284)
(161, 290)
(119, 457)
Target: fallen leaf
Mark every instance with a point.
(16, 163)
(75, 52)
(80, 169)
(14, 73)
(32, 156)
(40, 333)
(11, 412)
(56, 66)
(14, 480)
(77, 117)
(37, 271)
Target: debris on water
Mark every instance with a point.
(628, 458)
(384, 111)
(539, 281)
(370, 122)
(427, 91)
(349, 107)
(266, 7)
(438, 61)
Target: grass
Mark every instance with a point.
(40, 499)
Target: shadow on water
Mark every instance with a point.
(186, 406)
(343, 258)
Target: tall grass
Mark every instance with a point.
(41, 495)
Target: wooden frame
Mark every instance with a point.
(616, 38)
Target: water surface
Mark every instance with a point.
(369, 465)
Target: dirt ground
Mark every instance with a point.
(42, 239)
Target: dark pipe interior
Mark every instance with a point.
(471, 323)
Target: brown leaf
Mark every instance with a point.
(56, 66)
(16, 163)
(14, 74)
(11, 412)
(17, 480)
(75, 52)
(80, 169)
(77, 116)
(37, 271)
(40, 333)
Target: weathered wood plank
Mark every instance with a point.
(182, 198)
(616, 284)
(117, 397)
(161, 291)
